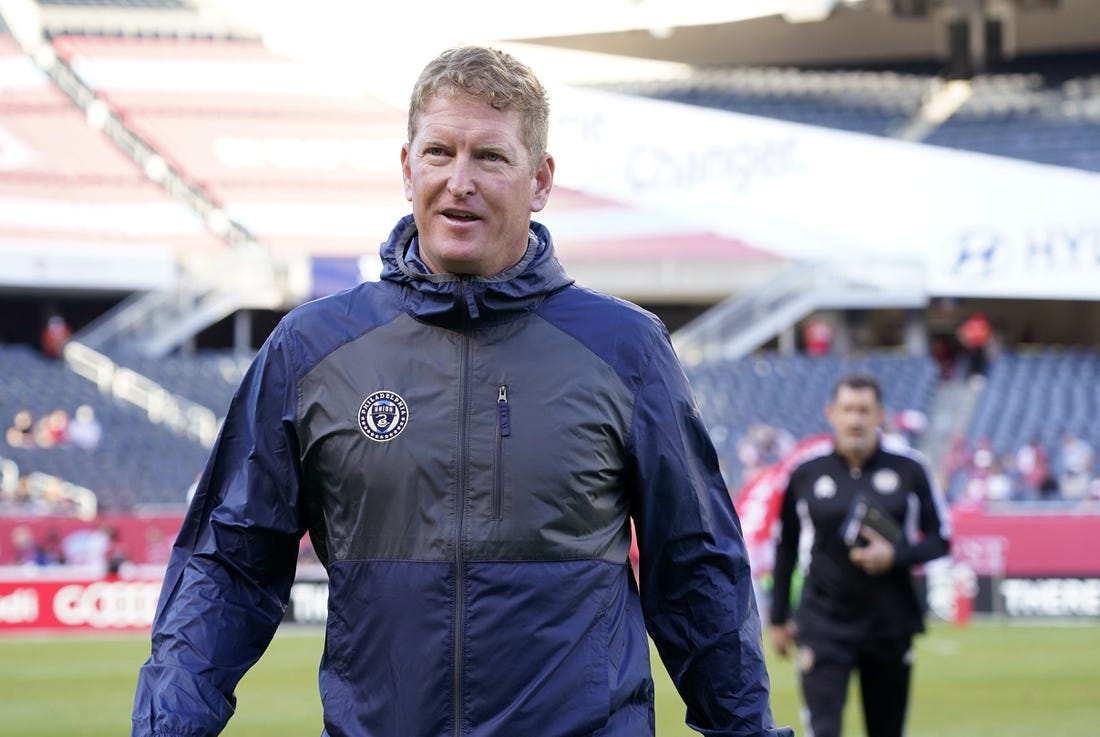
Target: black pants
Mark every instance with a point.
(884, 668)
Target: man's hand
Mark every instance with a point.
(782, 638)
(877, 556)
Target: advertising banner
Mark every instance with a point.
(78, 605)
(985, 225)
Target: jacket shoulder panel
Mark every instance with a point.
(317, 328)
(620, 333)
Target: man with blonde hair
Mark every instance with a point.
(467, 442)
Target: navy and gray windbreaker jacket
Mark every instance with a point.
(465, 454)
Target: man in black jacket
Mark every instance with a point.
(873, 514)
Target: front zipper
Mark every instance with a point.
(504, 429)
(460, 523)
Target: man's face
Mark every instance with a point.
(472, 185)
(855, 417)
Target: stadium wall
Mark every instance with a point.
(1017, 566)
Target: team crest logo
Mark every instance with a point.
(825, 487)
(383, 416)
(886, 481)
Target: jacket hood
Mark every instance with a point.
(450, 299)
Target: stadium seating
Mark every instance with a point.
(790, 393)
(1039, 395)
(140, 464)
(207, 377)
(1037, 108)
(137, 463)
(863, 101)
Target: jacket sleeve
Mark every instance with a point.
(233, 563)
(933, 521)
(695, 581)
(786, 555)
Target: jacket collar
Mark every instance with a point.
(450, 300)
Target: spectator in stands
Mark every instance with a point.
(1076, 461)
(158, 547)
(24, 547)
(1048, 488)
(1000, 483)
(85, 430)
(466, 442)
(956, 462)
(858, 608)
(978, 470)
(52, 551)
(910, 425)
(749, 457)
(761, 446)
(1033, 464)
(943, 353)
(50, 431)
(115, 555)
(21, 432)
(86, 547)
(55, 335)
(817, 334)
(976, 336)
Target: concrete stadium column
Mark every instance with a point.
(242, 332)
(787, 344)
(916, 334)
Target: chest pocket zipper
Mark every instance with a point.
(504, 429)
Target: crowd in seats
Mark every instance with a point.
(98, 547)
(41, 494)
(1034, 432)
(55, 429)
(1066, 474)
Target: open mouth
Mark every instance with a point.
(460, 215)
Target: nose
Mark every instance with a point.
(461, 181)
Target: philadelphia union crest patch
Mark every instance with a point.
(383, 416)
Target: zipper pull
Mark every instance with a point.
(503, 412)
(471, 302)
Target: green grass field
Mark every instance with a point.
(988, 679)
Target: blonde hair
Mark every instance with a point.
(494, 76)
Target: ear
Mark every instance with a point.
(406, 172)
(543, 183)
